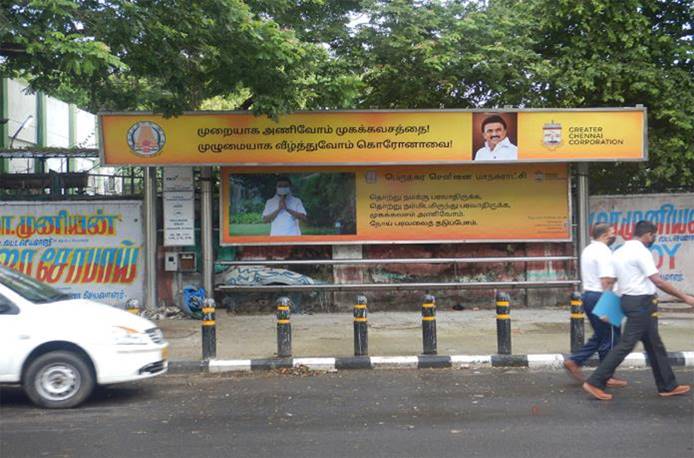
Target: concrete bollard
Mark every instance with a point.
(503, 323)
(577, 322)
(429, 325)
(284, 328)
(361, 327)
(209, 330)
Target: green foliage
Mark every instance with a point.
(606, 53)
(171, 56)
(247, 218)
(276, 56)
(541, 53)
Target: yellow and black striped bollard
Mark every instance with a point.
(503, 323)
(284, 328)
(133, 306)
(577, 323)
(654, 315)
(209, 330)
(429, 325)
(361, 327)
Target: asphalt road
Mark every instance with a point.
(409, 413)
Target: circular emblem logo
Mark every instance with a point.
(146, 138)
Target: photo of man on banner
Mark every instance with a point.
(494, 136)
(283, 210)
(278, 204)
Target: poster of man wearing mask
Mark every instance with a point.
(284, 211)
(290, 204)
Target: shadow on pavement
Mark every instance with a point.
(103, 396)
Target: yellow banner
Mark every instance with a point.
(373, 137)
(261, 206)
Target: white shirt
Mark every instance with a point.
(284, 223)
(633, 264)
(504, 151)
(596, 263)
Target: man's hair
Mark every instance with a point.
(644, 227)
(493, 119)
(283, 178)
(599, 230)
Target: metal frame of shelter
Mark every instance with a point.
(580, 226)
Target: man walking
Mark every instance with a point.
(638, 278)
(598, 275)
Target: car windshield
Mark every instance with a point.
(30, 288)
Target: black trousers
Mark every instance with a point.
(642, 326)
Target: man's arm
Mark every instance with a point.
(670, 289)
(296, 214)
(607, 283)
(269, 217)
(296, 208)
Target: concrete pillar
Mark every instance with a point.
(343, 274)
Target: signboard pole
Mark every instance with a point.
(206, 229)
(150, 211)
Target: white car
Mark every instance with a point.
(58, 348)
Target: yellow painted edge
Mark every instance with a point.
(282, 307)
(428, 306)
(578, 315)
(503, 316)
(502, 303)
(208, 322)
(361, 320)
(428, 318)
(359, 306)
(282, 321)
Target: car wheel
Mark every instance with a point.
(58, 380)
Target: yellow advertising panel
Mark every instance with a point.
(308, 205)
(374, 137)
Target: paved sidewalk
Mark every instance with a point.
(534, 331)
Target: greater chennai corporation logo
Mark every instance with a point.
(146, 138)
(552, 135)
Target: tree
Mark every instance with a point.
(604, 53)
(433, 54)
(542, 53)
(170, 56)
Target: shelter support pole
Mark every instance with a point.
(150, 214)
(583, 204)
(206, 230)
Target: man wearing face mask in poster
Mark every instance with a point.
(597, 274)
(283, 210)
(638, 278)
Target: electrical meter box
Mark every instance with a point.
(180, 261)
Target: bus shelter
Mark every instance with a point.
(375, 177)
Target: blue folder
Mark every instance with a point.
(609, 306)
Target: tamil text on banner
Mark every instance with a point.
(90, 250)
(395, 204)
(374, 137)
(673, 250)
